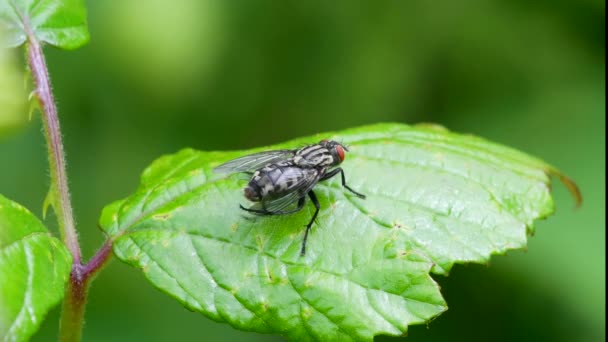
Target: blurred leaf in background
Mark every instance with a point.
(13, 98)
(221, 75)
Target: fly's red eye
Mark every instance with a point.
(340, 151)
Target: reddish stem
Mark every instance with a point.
(98, 260)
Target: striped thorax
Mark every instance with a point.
(324, 154)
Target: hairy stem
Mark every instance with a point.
(60, 196)
(98, 261)
(72, 316)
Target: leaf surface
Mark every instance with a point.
(434, 198)
(34, 268)
(61, 23)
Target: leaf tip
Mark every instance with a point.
(574, 190)
(570, 185)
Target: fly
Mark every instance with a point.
(282, 178)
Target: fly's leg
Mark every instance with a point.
(315, 201)
(335, 172)
(263, 211)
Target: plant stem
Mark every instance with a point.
(98, 261)
(72, 313)
(72, 316)
(60, 196)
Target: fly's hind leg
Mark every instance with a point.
(315, 201)
(265, 212)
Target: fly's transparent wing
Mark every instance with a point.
(303, 181)
(254, 161)
(282, 203)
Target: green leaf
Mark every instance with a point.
(434, 198)
(12, 93)
(61, 23)
(34, 268)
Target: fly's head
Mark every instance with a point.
(337, 150)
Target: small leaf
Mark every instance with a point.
(48, 201)
(34, 268)
(61, 23)
(434, 198)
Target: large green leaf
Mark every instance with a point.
(34, 268)
(434, 198)
(61, 23)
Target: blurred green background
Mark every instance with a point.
(157, 77)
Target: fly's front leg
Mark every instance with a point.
(335, 172)
(315, 201)
(263, 211)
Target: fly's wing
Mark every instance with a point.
(254, 161)
(304, 181)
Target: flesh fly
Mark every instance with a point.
(281, 179)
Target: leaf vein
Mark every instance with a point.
(160, 267)
(438, 226)
(237, 298)
(442, 170)
(315, 308)
(26, 306)
(381, 314)
(289, 263)
(487, 157)
(25, 237)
